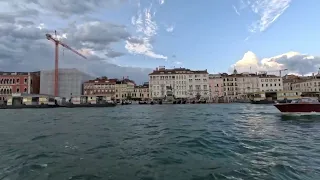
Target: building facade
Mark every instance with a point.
(100, 86)
(305, 84)
(185, 83)
(288, 81)
(70, 82)
(124, 89)
(19, 82)
(270, 83)
(141, 92)
(238, 86)
(216, 86)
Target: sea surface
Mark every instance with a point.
(159, 142)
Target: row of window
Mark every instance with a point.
(177, 77)
(270, 80)
(197, 87)
(179, 93)
(9, 91)
(262, 80)
(269, 85)
(12, 81)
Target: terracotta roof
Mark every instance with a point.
(108, 81)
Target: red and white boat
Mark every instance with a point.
(302, 105)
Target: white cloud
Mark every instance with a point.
(161, 2)
(41, 26)
(236, 10)
(147, 28)
(24, 47)
(170, 28)
(293, 61)
(268, 10)
(142, 48)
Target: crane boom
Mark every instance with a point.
(76, 52)
(56, 69)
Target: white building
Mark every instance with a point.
(185, 83)
(270, 83)
(305, 84)
(70, 82)
(238, 86)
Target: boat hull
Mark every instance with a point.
(90, 105)
(298, 108)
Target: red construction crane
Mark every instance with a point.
(56, 67)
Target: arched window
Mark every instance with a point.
(25, 90)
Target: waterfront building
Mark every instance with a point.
(112, 88)
(270, 82)
(216, 86)
(124, 89)
(306, 84)
(185, 83)
(237, 86)
(100, 86)
(288, 82)
(18, 82)
(141, 92)
(70, 82)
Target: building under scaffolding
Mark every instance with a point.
(70, 82)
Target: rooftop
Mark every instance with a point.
(105, 80)
(163, 70)
(3, 73)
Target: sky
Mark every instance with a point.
(133, 37)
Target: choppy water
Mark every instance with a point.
(167, 142)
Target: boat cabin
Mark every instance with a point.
(306, 100)
(258, 96)
(89, 99)
(289, 95)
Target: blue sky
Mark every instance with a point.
(211, 35)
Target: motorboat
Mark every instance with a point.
(301, 105)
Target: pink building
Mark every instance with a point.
(216, 86)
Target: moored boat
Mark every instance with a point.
(302, 105)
